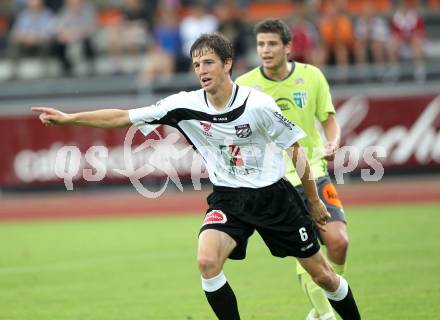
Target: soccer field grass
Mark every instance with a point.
(145, 268)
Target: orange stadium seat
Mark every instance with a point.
(109, 17)
(258, 11)
(355, 6)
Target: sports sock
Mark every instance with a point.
(343, 302)
(339, 268)
(221, 297)
(316, 295)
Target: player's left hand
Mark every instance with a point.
(330, 151)
(319, 214)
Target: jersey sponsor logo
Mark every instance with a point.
(206, 127)
(243, 130)
(331, 196)
(232, 155)
(220, 119)
(300, 99)
(235, 161)
(286, 122)
(215, 216)
(284, 104)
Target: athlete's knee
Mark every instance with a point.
(209, 265)
(338, 244)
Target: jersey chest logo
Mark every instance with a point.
(243, 130)
(206, 128)
(300, 99)
(285, 104)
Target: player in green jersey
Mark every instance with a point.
(303, 95)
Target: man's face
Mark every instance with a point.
(210, 70)
(34, 4)
(271, 50)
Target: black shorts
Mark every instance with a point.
(277, 212)
(327, 193)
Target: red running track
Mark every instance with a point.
(123, 204)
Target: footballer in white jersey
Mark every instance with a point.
(241, 146)
(240, 134)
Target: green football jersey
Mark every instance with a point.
(303, 96)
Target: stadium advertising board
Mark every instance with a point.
(407, 129)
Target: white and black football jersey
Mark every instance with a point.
(241, 145)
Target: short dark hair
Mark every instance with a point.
(277, 26)
(221, 46)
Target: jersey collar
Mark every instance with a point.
(288, 75)
(231, 99)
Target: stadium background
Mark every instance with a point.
(58, 261)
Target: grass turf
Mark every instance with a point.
(144, 268)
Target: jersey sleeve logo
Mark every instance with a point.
(300, 99)
(283, 120)
(215, 216)
(243, 130)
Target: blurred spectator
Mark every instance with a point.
(54, 5)
(130, 35)
(75, 27)
(419, 3)
(4, 26)
(305, 38)
(167, 46)
(151, 7)
(241, 4)
(408, 32)
(197, 21)
(31, 33)
(20, 5)
(7, 7)
(336, 32)
(371, 34)
(232, 26)
(8, 13)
